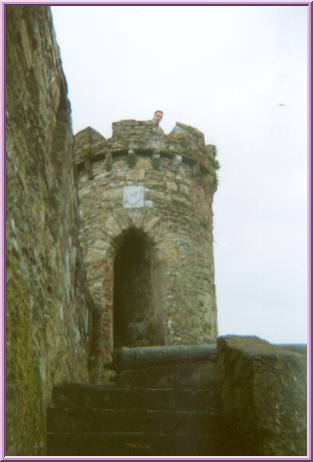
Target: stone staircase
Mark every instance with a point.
(169, 410)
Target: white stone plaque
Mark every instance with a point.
(133, 197)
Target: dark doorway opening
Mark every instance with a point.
(137, 293)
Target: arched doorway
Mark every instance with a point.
(137, 292)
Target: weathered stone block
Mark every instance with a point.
(263, 389)
(135, 174)
(171, 186)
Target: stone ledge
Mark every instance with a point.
(263, 391)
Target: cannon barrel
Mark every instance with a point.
(136, 357)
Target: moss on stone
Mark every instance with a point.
(25, 415)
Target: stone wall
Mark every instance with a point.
(46, 307)
(263, 391)
(143, 185)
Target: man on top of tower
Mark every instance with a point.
(158, 115)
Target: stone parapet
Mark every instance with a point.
(131, 137)
(263, 394)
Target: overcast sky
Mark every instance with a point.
(238, 74)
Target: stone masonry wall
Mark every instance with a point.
(46, 306)
(160, 187)
(263, 393)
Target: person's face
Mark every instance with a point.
(158, 117)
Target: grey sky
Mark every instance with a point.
(239, 74)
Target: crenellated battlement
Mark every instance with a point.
(137, 138)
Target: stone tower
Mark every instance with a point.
(146, 231)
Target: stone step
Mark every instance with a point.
(133, 444)
(114, 397)
(72, 420)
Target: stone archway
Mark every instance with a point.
(138, 289)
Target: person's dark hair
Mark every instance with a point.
(159, 111)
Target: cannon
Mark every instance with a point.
(147, 356)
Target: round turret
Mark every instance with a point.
(146, 231)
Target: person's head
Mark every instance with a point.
(158, 115)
